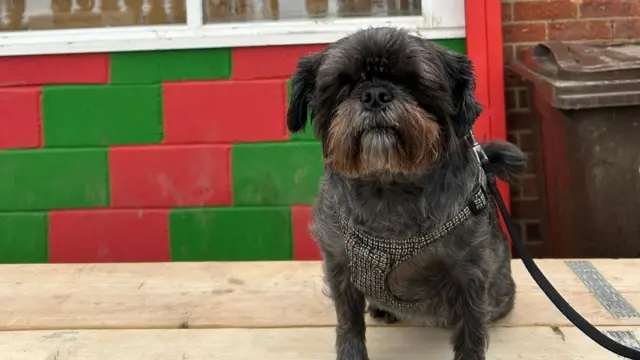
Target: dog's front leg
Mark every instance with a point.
(349, 304)
(470, 321)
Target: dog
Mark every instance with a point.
(403, 219)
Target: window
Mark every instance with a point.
(68, 26)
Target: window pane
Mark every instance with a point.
(217, 11)
(66, 14)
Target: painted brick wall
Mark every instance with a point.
(526, 22)
(155, 156)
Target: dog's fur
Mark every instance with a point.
(402, 171)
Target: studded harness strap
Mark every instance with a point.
(371, 258)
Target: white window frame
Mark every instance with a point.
(441, 19)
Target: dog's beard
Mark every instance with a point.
(400, 139)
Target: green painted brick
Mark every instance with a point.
(231, 234)
(54, 179)
(101, 115)
(170, 65)
(459, 45)
(23, 238)
(276, 173)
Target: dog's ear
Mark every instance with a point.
(463, 86)
(302, 84)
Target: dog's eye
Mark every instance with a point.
(343, 93)
(412, 80)
(344, 79)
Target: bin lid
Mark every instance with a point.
(574, 76)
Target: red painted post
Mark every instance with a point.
(483, 19)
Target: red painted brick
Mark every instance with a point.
(20, 122)
(304, 247)
(54, 69)
(90, 236)
(225, 111)
(269, 61)
(170, 176)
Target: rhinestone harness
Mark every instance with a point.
(371, 258)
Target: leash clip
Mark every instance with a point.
(472, 142)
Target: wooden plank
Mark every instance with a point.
(526, 343)
(257, 294)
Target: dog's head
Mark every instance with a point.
(384, 101)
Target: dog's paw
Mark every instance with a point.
(351, 348)
(470, 357)
(382, 315)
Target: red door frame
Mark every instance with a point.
(484, 46)
(483, 22)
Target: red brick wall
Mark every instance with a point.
(527, 22)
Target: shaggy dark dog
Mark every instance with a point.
(403, 218)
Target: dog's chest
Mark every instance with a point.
(411, 263)
(417, 290)
(423, 277)
(376, 264)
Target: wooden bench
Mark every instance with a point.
(265, 311)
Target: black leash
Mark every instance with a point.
(569, 312)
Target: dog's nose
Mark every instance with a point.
(376, 97)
